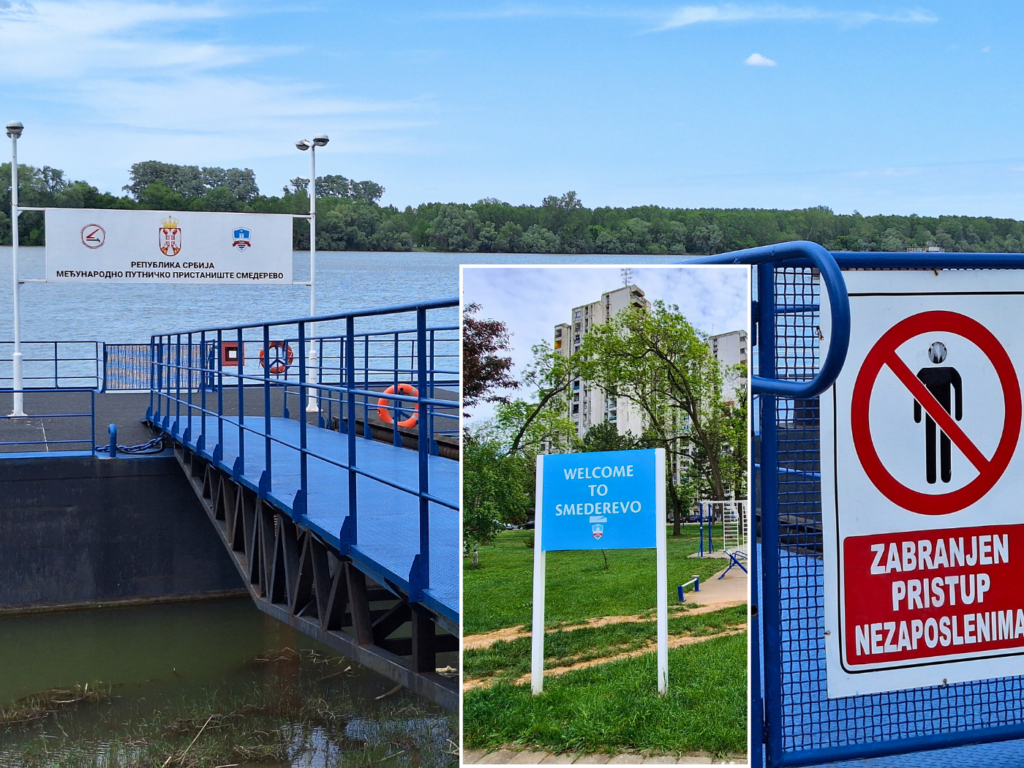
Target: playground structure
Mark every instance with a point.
(733, 516)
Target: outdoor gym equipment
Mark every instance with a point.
(696, 587)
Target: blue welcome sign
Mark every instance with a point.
(605, 500)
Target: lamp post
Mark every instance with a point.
(303, 145)
(14, 130)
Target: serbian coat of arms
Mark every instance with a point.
(170, 237)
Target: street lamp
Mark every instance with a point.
(14, 130)
(304, 144)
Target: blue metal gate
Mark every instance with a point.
(792, 720)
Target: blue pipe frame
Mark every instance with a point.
(766, 704)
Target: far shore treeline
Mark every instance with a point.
(350, 218)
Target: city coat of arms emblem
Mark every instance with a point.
(598, 530)
(170, 237)
(242, 239)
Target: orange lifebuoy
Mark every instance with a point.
(385, 415)
(280, 362)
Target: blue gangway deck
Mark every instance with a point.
(388, 518)
(291, 415)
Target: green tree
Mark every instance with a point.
(454, 230)
(537, 239)
(664, 365)
(604, 436)
(543, 422)
(191, 181)
(509, 239)
(493, 490)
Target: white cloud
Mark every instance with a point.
(143, 80)
(700, 14)
(757, 60)
(986, 49)
(532, 11)
(52, 39)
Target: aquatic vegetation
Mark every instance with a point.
(37, 706)
(306, 712)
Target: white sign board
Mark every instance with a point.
(923, 483)
(114, 246)
(600, 500)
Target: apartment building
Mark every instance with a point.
(730, 349)
(588, 403)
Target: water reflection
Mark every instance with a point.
(199, 684)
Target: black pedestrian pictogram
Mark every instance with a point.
(990, 466)
(946, 386)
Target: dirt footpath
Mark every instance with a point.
(715, 595)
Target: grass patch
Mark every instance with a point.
(614, 706)
(510, 659)
(500, 592)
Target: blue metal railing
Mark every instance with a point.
(797, 254)
(54, 364)
(87, 442)
(199, 393)
(790, 710)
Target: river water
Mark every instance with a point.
(350, 280)
(101, 687)
(161, 671)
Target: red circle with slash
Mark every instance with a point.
(882, 355)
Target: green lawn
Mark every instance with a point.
(614, 706)
(508, 660)
(500, 592)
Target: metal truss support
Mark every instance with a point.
(297, 578)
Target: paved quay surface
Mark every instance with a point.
(534, 757)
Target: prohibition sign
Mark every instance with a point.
(884, 354)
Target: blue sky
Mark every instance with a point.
(882, 107)
(713, 299)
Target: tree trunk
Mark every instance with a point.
(677, 524)
(476, 555)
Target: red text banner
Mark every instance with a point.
(924, 595)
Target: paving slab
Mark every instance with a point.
(593, 760)
(501, 757)
(659, 760)
(528, 757)
(733, 587)
(565, 759)
(626, 759)
(470, 756)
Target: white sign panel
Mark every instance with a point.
(923, 483)
(113, 246)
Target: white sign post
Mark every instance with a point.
(117, 246)
(922, 483)
(601, 500)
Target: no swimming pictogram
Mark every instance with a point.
(938, 393)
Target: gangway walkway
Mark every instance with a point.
(388, 518)
(351, 540)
